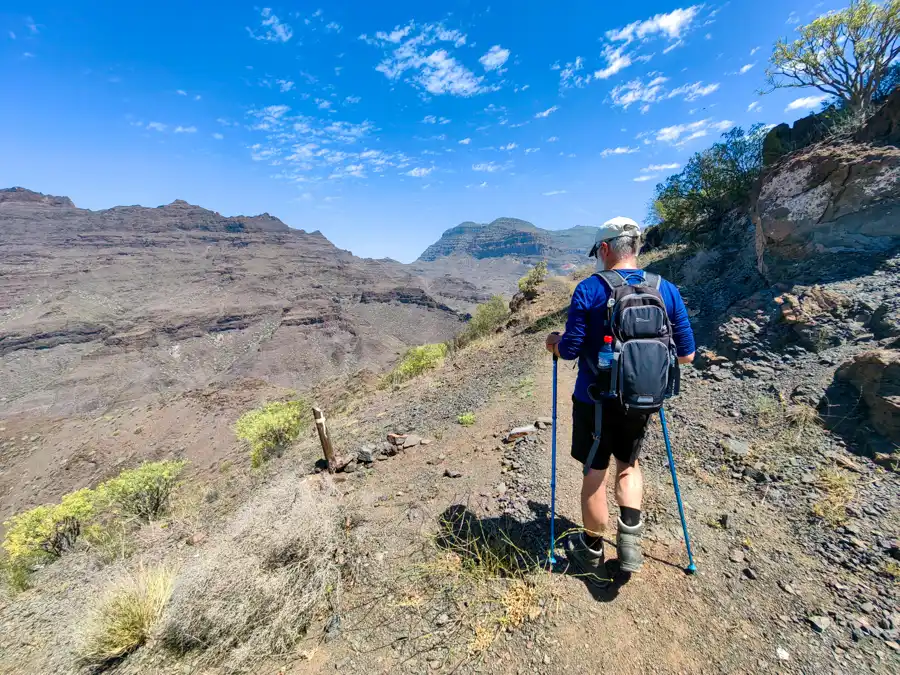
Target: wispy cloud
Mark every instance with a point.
(272, 29)
(412, 53)
(660, 167)
(181, 92)
(554, 192)
(573, 74)
(465, 141)
(31, 26)
(494, 59)
(553, 139)
(12, 36)
(754, 106)
(754, 50)
(509, 146)
(746, 68)
(419, 172)
(197, 97)
(185, 130)
(622, 150)
(489, 167)
(334, 27)
(637, 91)
(218, 136)
(284, 85)
(805, 103)
(672, 25)
(546, 113)
(793, 19)
(323, 104)
(157, 126)
(679, 134)
(528, 151)
(644, 178)
(352, 99)
(27, 55)
(432, 119)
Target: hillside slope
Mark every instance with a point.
(100, 308)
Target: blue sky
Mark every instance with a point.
(381, 124)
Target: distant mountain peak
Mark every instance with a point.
(24, 195)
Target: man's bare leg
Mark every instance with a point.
(629, 494)
(594, 506)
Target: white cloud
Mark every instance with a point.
(275, 29)
(157, 126)
(431, 119)
(754, 50)
(31, 25)
(672, 25)
(528, 151)
(805, 103)
(509, 146)
(674, 45)
(334, 27)
(218, 136)
(489, 167)
(27, 55)
(746, 68)
(419, 172)
(353, 99)
(12, 36)
(323, 104)
(554, 192)
(616, 61)
(660, 167)
(495, 57)
(284, 85)
(619, 151)
(644, 178)
(708, 36)
(637, 91)
(524, 87)
(679, 134)
(411, 55)
(754, 106)
(465, 141)
(793, 19)
(546, 113)
(185, 130)
(181, 92)
(197, 97)
(553, 139)
(569, 74)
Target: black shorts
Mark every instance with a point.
(621, 437)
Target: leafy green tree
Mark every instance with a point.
(847, 54)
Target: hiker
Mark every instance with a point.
(622, 427)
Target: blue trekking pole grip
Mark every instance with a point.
(691, 568)
(552, 557)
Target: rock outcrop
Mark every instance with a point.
(876, 375)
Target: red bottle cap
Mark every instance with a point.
(607, 339)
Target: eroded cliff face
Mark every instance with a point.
(833, 197)
(102, 307)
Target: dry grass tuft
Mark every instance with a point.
(124, 618)
(838, 489)
(257, 589)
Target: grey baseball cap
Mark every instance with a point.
(614, 228)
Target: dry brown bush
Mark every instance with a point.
(256, 590)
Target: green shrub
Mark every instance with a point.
(488, 317)
(143, 492)
(49, 530)
(416, 361)
(15, 574)
(467, 419)
(269, 429)
(535, 277)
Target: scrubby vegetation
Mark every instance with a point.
(488, 317)
(269, 429)
(277, 565)
(467, 419)
(124, 618)
(532, 281)
(143, 492)
(416, 361)
(837, 489)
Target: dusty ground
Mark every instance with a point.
(659, 621)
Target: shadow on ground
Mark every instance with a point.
(512, 548)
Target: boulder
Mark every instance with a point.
(885, 321)
(811, 313)
(876, 375)
(519, 432)
(411, 441)
(828, 199)
(367, 454)
(884, 125)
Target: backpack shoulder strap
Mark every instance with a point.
(613, 279)
(652, 280)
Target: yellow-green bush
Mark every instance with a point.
(467, 419)
(416, 361)
(488, 317)
(535, 277)
(143, 492)
(268, 429)
(49, 530)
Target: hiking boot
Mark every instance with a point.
(628, 546)
(588, 561)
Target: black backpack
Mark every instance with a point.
(645, 364)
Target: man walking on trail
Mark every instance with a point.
(616, 247)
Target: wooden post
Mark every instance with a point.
(325, 439)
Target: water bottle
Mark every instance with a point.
(601, 388)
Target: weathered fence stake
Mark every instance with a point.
(325, 439)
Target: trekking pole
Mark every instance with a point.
(691, 568)
(552, 557)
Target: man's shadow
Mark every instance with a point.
(510, 547)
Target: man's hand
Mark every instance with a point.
(686, 359)
(552, 343)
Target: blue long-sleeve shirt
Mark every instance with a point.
(587, 323)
